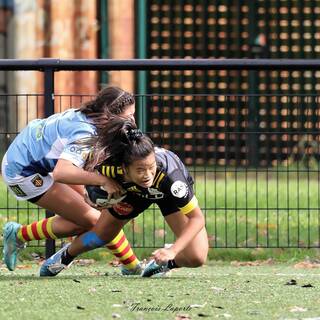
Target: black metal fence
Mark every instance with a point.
(254, 157)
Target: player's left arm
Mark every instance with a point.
(190, 216)
(195, 222)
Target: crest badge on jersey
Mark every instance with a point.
(179, 189)
(37, 181)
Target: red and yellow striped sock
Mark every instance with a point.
(121, 248)
(37, 230)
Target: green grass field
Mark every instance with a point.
(215, 291)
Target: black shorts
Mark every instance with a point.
(132, 205)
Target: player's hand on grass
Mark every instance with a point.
(161, 256)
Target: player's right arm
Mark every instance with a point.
(66, 172)
(69, 169)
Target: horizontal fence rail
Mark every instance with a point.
(160, 64)
(254, 156)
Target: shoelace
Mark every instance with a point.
(161, 269)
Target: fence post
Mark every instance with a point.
(253, 140)
(141, 53)
(49, 110)
(104, 37)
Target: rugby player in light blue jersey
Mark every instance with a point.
(44, 165)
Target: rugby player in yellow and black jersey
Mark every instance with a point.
(147, 175)
(171, 188)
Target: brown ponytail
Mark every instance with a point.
(119, 143)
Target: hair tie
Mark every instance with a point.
(134, 134)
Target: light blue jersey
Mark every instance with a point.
(39, 146)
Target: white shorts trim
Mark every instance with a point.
(25, 188)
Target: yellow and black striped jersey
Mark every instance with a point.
(172, 180)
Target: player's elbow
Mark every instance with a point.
(199, 219)
(56, 175)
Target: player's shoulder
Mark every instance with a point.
(75, 124)
(167, 160)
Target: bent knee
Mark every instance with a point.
(89, 222)
(90, 218)
(78, 230)
(199, 261)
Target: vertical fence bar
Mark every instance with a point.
(49, 110)
(253, 103)
(104, 37)
(141, 23)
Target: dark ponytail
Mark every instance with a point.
(119, 143)
(109, 102)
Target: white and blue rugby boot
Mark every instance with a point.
(153, 269)
(11, 244)
(53, 265)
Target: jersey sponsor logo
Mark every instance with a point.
(37, 181)
(76, 149)
(39, 132)
(123, 208)
(155, 194)
(18, 191)
(179, 189)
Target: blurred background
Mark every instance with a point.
(125, 29)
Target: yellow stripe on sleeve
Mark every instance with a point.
(103, 170)
(113, 174)
(193, 203)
